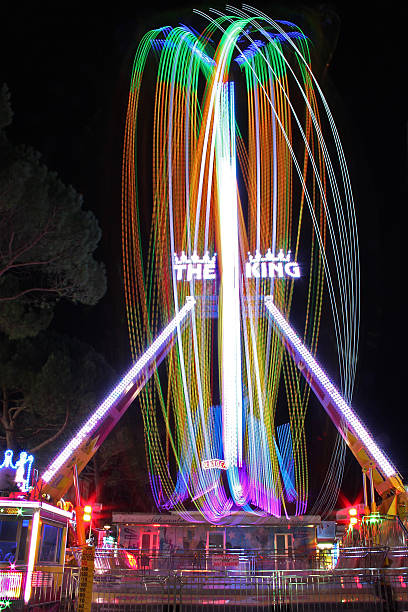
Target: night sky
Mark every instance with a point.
(68, 72)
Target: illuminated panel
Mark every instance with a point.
(22, 468)
(208, 464)
(357, 427)
(10, 584)
(16, 511)
(127, 382)
(31, 555)
(16, 506)
(230, 304)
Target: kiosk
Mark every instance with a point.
(33, 538)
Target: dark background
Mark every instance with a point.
(68, 69)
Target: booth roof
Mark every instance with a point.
(236, 519)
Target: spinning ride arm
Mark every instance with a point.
(58, 477)
(386, 479)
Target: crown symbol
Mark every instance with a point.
(280, 257)
(256, 258)
(194, 259)
(183, 259)
(268, 255)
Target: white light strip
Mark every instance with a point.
(19, 503)
(130, 379)
(31, 555)
(56, 510)
(359, 430)
(229, 247)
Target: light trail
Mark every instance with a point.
(240, 166)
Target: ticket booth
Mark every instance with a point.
(33, 538)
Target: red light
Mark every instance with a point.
(87, 516)
(353, 516)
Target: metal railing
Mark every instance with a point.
(232, 561)
(50, 590)
(371, 590)
(117, 588)
(377, 530)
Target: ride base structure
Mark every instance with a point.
(382, 475)
(34, 531)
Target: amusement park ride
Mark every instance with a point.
(249, 299)
(39, 518)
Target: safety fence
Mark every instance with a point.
(118, 589)
(323, 591)
(49, 590)
(242, 562)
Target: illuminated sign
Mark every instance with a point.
(22, 468)
(271, 266)
(257, 266)
(12, 510)
(10, 584)
(208, 464)
(195, 267)
(227, 560)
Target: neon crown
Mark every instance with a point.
(269, 257)
(194, 259)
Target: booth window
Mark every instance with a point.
(23, 540)
(50, 544)
(8, 540)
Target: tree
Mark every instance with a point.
(48, 384)
(47, 240)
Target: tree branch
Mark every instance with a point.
(25, 249)
(33, 432)
(31, 290)
(16, 412)
(54, 437)
(30, 263)
(4, 415)
(10, 243)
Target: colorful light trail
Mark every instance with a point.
(247, 166)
